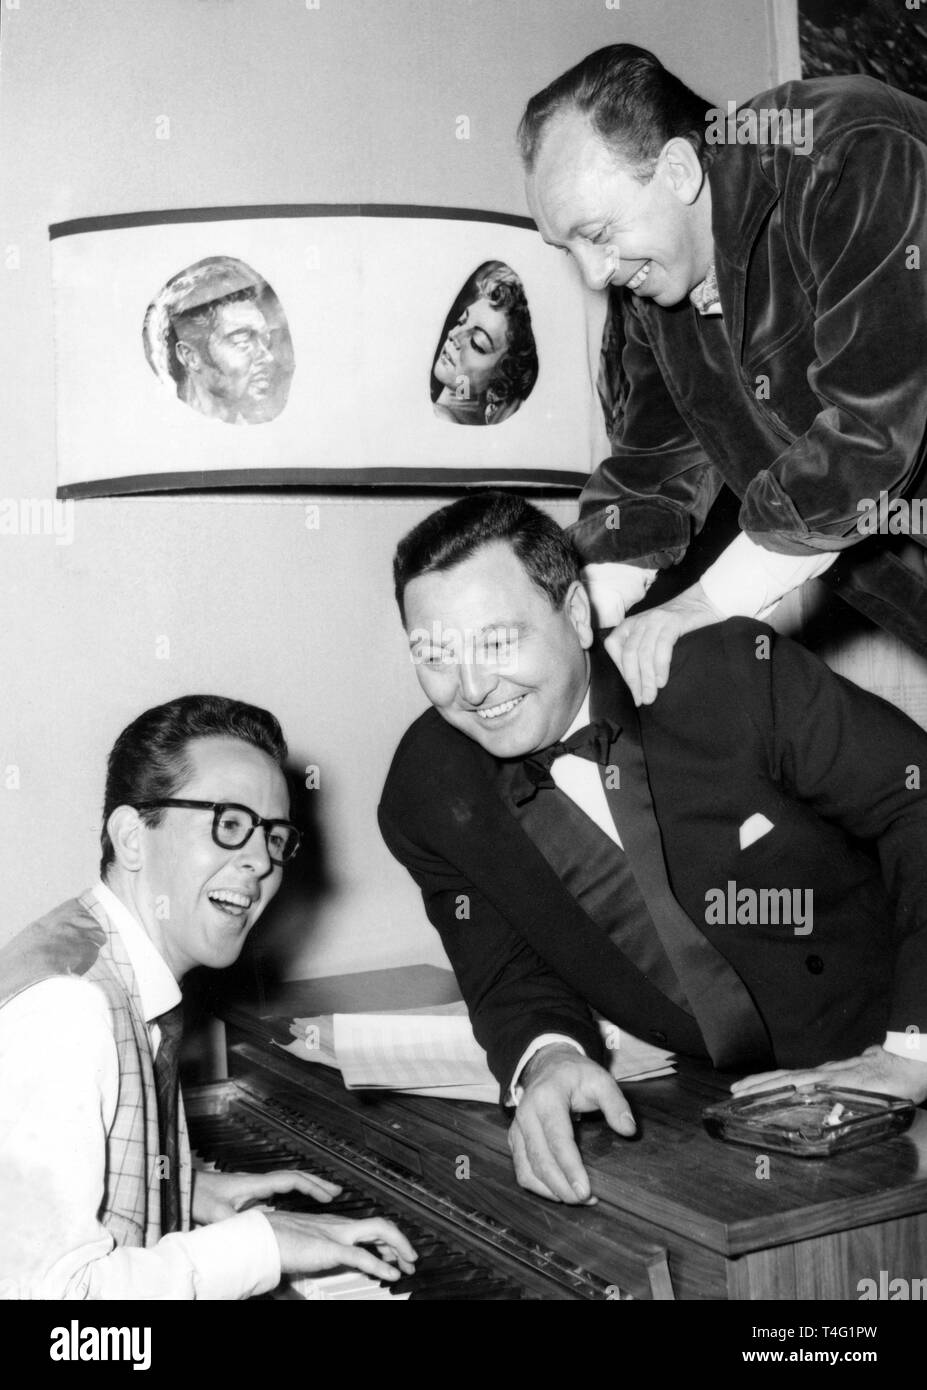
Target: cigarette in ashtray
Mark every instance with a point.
(834, 1117)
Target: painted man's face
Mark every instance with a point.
(238, 362)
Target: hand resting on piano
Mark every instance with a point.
(559, 1082)
(307, 1243)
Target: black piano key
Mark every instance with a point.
(267, 1158)
(262, 1165)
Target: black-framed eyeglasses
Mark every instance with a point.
(233, 825)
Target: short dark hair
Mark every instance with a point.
(454, 533)
(198, 324)
(149, 758)
(633, 104)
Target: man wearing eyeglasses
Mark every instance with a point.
(97, 1193)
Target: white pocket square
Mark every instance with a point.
(753, 829)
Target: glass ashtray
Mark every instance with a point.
(809, 1121)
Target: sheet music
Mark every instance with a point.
(401, 1051)
(432, 1051)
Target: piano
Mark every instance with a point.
(679, 1216)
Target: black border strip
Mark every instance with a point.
(321, 479)
(120, 220)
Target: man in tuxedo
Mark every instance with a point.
(735, 872)
(97, 1192)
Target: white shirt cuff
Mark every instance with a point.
(747, 580)
(515, 1091)
(613, 588)
(910, 1045)
(232, 1259)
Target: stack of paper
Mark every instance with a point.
(432, 1051)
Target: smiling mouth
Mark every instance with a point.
(497, 711)
(232, 903)
(637, 280)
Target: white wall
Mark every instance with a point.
(269, 101)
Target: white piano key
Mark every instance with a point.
(350, 1284)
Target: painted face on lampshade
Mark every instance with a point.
(238, 361)
(217, 337)
(474, 348)
(494, 656)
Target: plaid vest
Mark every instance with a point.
(131, 1208)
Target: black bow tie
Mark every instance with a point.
(592, 742)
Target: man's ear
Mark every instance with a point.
(579, 611)
(682, 169)
(125, 832)
(187, 355)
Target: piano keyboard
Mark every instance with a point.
(352, 1284)
(241, 1140)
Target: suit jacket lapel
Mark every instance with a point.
(735, 225)
(527, 892)
(734, 1032)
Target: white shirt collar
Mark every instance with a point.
(157, 988)
(581, 720)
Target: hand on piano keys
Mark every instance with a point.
(444, 1268)
(309, 1243)
(217, 1196)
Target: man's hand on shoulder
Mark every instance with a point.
(875, 1070)
(558, 1083)
(642, 646)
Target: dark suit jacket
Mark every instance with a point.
(749, 722)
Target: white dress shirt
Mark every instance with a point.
(579, 778)
(746, 580)
(59, 1084)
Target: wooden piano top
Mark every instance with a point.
(672, 1176)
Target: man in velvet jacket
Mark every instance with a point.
(765, 268)
(742, 877)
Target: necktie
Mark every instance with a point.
(167, 1082)
(592, 742)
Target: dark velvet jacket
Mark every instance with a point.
(810, 394)
(732, 734)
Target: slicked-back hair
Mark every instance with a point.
(150, 759)
(198, 324)
(633, 104)
(456, 532)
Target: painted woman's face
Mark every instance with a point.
(473, 349)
